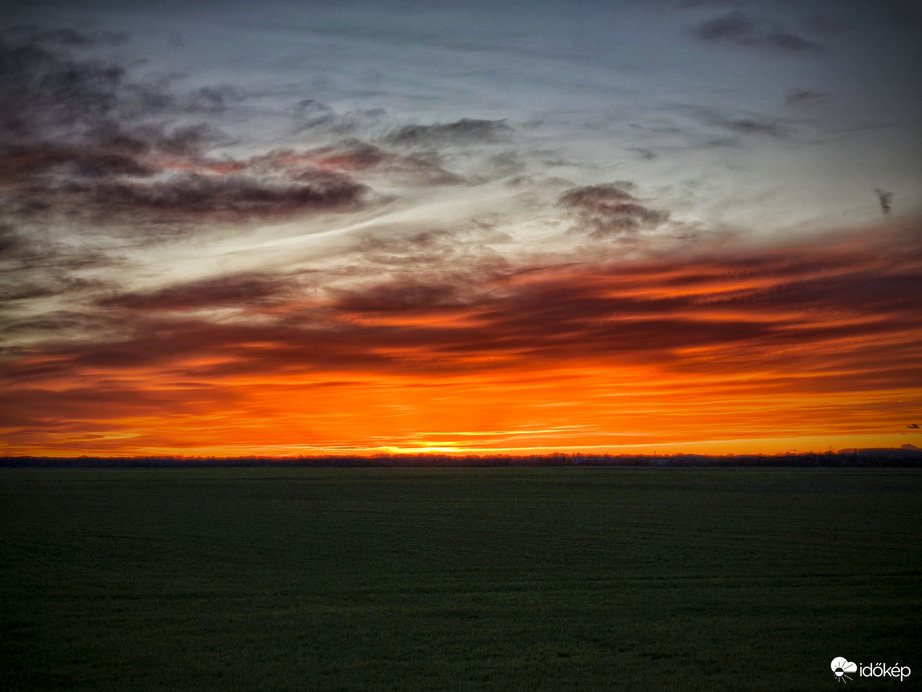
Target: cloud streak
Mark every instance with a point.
(805, 320)
(741, 29)
(383, 231)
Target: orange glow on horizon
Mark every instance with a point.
(574, 358)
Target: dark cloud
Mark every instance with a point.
(886, 201)
(645, 153)
(67, 36)
(26, 289)
(88, 139)
(84, 138)
(446, 250)
(607, 211)
(237, 291)
(804, 96)
(53, 92)
(309, 113)
(48, 94)
(734, 26)
(405, 295)
(464, 131)
(753, 126)
(353, 155)
(126, 179)
(232, 196)
(211, 99)
(741, 29)
(830, 305)
(11, 243)
(744, 124)
(54, 324)
(25, 164)
(693, 4)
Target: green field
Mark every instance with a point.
(431, 579)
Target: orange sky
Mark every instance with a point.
(805, 345)
(482, 228)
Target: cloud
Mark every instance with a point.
(607, 211)
(10, 241)
(693, 4)
(235, 196)
(886, 201)
(741, 29)
(356, 156)
(809, 298)
(236, 291)
(804, 96)
(464, 131)
(745, 124)
(84, 138)
(52, 95)
(442, 250)
(821, 319)
(68, 37)
(166, 180)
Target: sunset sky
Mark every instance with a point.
(294, 228)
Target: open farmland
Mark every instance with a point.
(410, 578)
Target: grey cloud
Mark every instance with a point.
(11, 243)
(464, 131)
(645, 153)
(106, 187)
(741, 124)
(55, 321)
(803, 295)
(234, 195)
(405, 295)
(741, 29)
(312, 116)
(212, 99)
(309, 113)
(356, 155)
(458, 248)
(239, 290)
(608, 211)
(25, 286)
(734, 26)
(51, 93)
(753, 126)
(886, 201)
(693, 4)
(804, 96)
(69, 37)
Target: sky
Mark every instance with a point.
(309, 228)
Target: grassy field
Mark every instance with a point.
(431, 579)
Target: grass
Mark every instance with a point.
(454, 579)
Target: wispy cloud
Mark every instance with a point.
(322, 244)
(806, 319)
(742, 29)
(464, 131)
(607, 211)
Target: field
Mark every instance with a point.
(477, 579)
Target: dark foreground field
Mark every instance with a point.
(429, 579)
